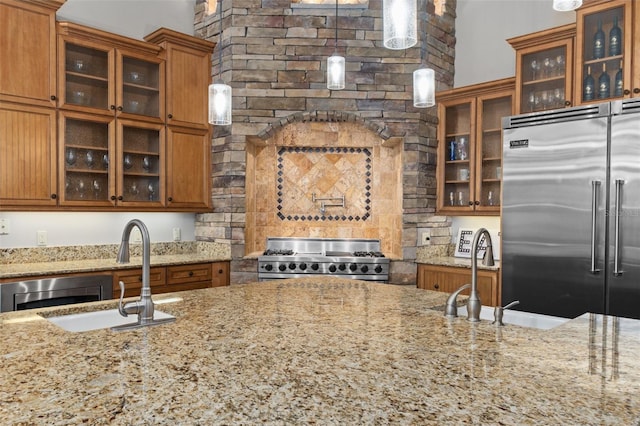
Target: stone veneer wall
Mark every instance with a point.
(274, 57)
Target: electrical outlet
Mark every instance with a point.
(136, 236)
(425, 237)
(42, 238)
(177, 234)
(4, 226)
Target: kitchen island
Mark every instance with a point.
(317, 350)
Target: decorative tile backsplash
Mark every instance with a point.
(329, 174)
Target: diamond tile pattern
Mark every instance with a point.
(330, 173)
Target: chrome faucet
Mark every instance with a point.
(451, 308)
(473, 303)
(144, 306)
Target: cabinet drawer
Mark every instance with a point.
(449, 279)
(132, 279)
(189, 273)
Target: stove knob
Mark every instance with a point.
(303, 266)
(332, 268)
(364, 268)
(353, 267)
(378, 269)
(268, 267)
(282, 267)
(292, 266)
(315, 266)
(342, 267)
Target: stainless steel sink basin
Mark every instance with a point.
(98, 320)
(522, 319)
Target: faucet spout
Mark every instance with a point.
(144, 306)
(473, 303)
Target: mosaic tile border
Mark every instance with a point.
(347, 150)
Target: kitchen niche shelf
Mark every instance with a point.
(469, 179)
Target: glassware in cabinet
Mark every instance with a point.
(140, 87)
(457, 164)
(86, 160)
(604, 48)
(142, 168)
(86, 77)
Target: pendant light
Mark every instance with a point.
(399, 23)
(219, 92)
(566, 5)
(335, 64)
(424, 79)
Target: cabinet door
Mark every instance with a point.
(140, 164)
(221, 274)
(449, 279)
(188, 169)
(85, 159)
(28, 52)
(139, 79)
(27, 156)
(488, 166)
(604, 59)
(456, 135)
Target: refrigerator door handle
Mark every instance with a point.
(595, 189)
(616, 247)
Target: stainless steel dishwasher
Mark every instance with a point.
(55, 291)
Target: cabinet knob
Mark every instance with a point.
(170, 115)
(477, 203)
(220, 271)
(120, 198)
(112, 107)
(120, 108)
(436, 286)
(140, 278)
(170, 199)
(567, 103)
(53, 97)
(471, 203)
(627, 92)
(190, 273)
(113, 198)
(636, 90)
(54, 196)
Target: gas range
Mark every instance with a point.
(302, 257)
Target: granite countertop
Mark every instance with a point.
(317, 350)
(457, 262)
(21, 263)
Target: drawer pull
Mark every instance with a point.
(220, 271)
(436, 286)
(190, 273)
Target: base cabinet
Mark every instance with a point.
(448, 279)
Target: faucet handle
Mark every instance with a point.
(498, 312)
(451, 308)
(120, 306)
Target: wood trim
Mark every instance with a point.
(542, 37)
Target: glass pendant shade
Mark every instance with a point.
(424, 88)
(566, 5)
(220, 104)
(335, 72)
(400, 23)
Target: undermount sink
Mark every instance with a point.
(522, 319)
(98, 320)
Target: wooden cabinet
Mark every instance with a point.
(188, 165)
(188, 62)
(470, 147)
(544, 69)
(28, 51)
(606, 62)
(27, 156)
(173, 278)
(448, 279)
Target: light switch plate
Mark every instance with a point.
(42, 238)
(136, 236)
(177, 234)
(4, 226)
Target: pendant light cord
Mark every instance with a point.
(335, 47)
(220, 46)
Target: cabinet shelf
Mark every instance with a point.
(457, 135)
(541, 81)
(603, 60)
(489, 131)
(84, 171)
(142, 174)
(457, 161)
(83, 76)
(487, 159)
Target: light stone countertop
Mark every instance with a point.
(457, 262)
(77, 259)
(317, 350)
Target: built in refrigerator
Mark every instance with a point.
(571, 210)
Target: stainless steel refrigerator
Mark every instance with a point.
(571, 210)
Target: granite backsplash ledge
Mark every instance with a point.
(10, 256)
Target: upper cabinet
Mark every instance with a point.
(103, 73)
(188, 62)
(544, 69)
(28, 51)
(605, 67)
(470, 147)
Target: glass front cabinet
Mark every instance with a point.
(470, 147)
(544, 69)
(604, 51)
